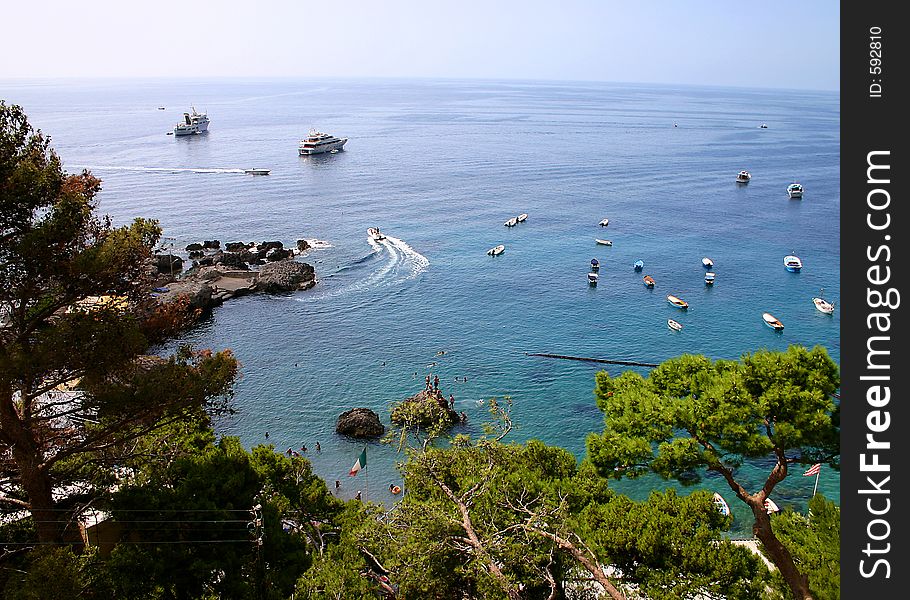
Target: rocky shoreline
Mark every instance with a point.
(239, 269)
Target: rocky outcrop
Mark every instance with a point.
(211, 244)
(236, 246)
(167, 263)
(302, 245)
(427, 409)
(286, 276)
(359, 423)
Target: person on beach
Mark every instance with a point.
(428, 383)
(452, 401)
(436, 383)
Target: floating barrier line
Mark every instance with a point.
(627, 363)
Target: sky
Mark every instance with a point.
(793, 44)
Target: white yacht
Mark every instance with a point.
(192, 123)
(318, 143)
(795, 190)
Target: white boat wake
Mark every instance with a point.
(165, 170)
(391, 263)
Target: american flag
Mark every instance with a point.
(813, 470)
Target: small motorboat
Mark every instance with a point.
(511, 222)
(771, 506)
(496, 251)
(595, 264)
(722, 505)
(795, 190)
(257, 171)
(707, 262)
(160, 108)
(604, 223)
(763, 126)
(638, 265)
(375, 234)
(604, 242)
(592, 278)
(677, 302)
(522, 217)
(772, 322)
(674, 325)
(792, 263)
(743, 177)
(823, 305)
(709, 278)
(649, 281)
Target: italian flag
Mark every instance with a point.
(360, 464)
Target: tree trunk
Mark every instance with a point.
(29, 460)
(780, 556)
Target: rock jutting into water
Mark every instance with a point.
(359, 423)
(426, 409)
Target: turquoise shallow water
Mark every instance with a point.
(440, 165)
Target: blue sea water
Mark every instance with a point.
(439, 166)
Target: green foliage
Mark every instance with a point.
(187, 523)
(814, 541)
(75, 390)
(693, 413)
(51, 574)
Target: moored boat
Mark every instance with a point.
(317, 142)
(511, 222)
(772, 322)
(497, 250)
(649, 281)
(595, 264)
(743, 177)
(522, 217)
(592, 278)
(638, 265)
(722, 505)
(707, 262)
(677, 302)
(192, 124)
(604, 222)
(603, 242)
(709, 278)
(771, 506)
(375, 234)
(257, 171)
(823, 305)
(792, 263)
(674, 325)
(795, 190)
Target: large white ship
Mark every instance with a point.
(192, 123)
(317, 143)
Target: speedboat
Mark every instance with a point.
(595, 264)
(649, 281)
(192, 124)
(318, 143)
(496, 251)
(674, 325)
(638, 265)
(257, 171)
(763, 126)
(375, 234)
(722, 505)
(677, 302)
(707, 262)
(772, 322)
(709, 278)
(793, 263)
(743, 177)
(604, 223)
(511, 222)
(795, 190)
(823, 305)
(604, 242)
(592, 278)
(522, 217)
(771, 506)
